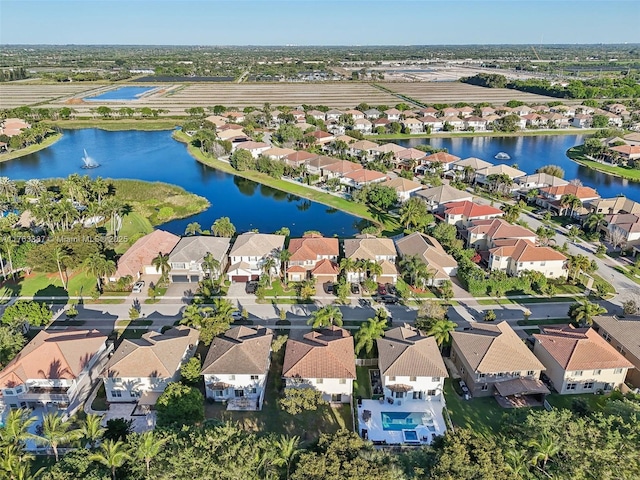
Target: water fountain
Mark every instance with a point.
(88, 161)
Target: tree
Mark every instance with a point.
(268, 266)
(26, 313)
(11, 342)
(298, 400)
(223, 227)
(594, 221)
(578, 264)
(286, 452)
(414, 213)
(326, 316)
(489, 316)
(56, 431)
(418, 272)
(585, 311)
(179, 405)
(512, 211)
(148, 447)
(118, 429)
(382, 197)
(543, 450)
(61, 256)
(91, 430)
(370, 331)
(16, 427)
(190, 371)
(192, 229)
(161, 262)
(545, 234)
(553, 170)
(616, 237)
(571, 202)
(211, 266)
(441, 331)
(98, 266)
(34, 188)
(284, 256)
(573, 233)
(113, 455)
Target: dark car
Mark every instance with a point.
(389, 299)
(355, 288)
(252, 286)
(329, 287)
(391, 289)
(382, 290)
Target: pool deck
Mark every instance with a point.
(376, 432)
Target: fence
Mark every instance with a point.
(366, 362)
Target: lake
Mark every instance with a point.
(155, 156)
(122, 93)
(532, 152)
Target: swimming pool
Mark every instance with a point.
(400, 420)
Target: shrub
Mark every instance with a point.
(297, 400)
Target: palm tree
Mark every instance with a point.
(223, 309)
(113, 455)
(16, 426)
(268, 266)
(7, 188)
(517, 463)
(161, 262)
(594, 221)
(573, 233)
(56, 431)
(585, 311)
(414, 212)
(374, 269)
(543, 450)
(193, 228)
(61, 255)
(569, 200)
(149, 447)
(97, 265)
(578, 264)
(210, 265)
(325, 316)
(347, 265)
(286, 452)
(370, 331)
(545, 234)
(91, 430)
(284, 256)
(99, 189)
(34, 187)
(441, 331)
(223, 227)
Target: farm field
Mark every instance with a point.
(453, 92)
(19, 94)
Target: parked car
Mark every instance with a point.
(388, 299)
(237, 315)
(382, 290)
(328, 287)
(138, 286)
(391, 289)
(251, 287)
(355, 288)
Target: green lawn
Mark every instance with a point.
(564, 401)
(277, 288)
(516, 301)
(308, 425)
(544, 321)
(576, 154)
(50, 140)
(134, 226)
(362, 385)
(628, 274)
(482, 414)
(49, 285)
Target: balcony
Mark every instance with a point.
(46, 394)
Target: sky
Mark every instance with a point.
(316, 22)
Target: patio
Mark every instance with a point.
(423, 420)
(141, 423)
(243, 404)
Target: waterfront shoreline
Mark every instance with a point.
(5, 157)
(575, 154)
(523, 133)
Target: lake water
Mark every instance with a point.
(155, 156)
(530, 153)
(122, 93)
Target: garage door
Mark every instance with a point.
(179, 279)
(239, 278)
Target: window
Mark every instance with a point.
(542, 264)
(530, 373)
(336, 397)
(116, 393)
(571, 386)
(587, 385)
(232, 377)
(607, 337)
(484, 387)
(399, 395)
(597, 372)
(412, 379)
(577, 373)
(217, 393)
(617, 371)
(620, 349)
(134, 393)
(436, 379)
(482, 375)
(431, 393)
(608, 386)
(19, 389)
(392, 379)
(253, 390)
(254, 377)
(500, 374)
(343, 381)
(319, 380)
(417, 395)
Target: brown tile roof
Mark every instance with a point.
(501, 169)
(579, 348)
(313, 246)
(327, 353)
(625, 330)
(154, 355)
(441, 157)
(405, 351)
(473, 162)
(343, 167)
(319, 134)
(443, 194)
(322, 161)
(241, 351)
(389, 147)
(301, 156)
(144, 251)
(526, 251)
(499, 228)
(325, 267)
(410, 153)
(580, 192)
(494, 349)
(627, 149)
(363, 175)
(368, 247)
(363, 145)
(402, 184)
(429, 250)
(470, 209)
(252, 145)
(53, 355)
(253, 244)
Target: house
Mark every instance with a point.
(249, 252)
(471, 163)
(627, 152)
(431, 123)
(13, 126)
(403, 187)
(393, 148)
(618, 109)
(232, 135)
(381, 122)
(359, 178)
(476, 124)
(299, 158)
(411, 366)
(564, 110)
(516, 256)
(482, 175)
(486, 111)
(373, 249)
(412, 126)
(439, 158)
(429, 111)
(321, 138)
(623, 334)
(137, 259)
(324, 360)
(55, 369)
(550, 198)
(486, 234)
(362, 148)
(581, 120)
(187, 259)
(440, 264)
(449, 112)
(534, 120)
(393, 114)
(632, 139)
(372, 114)
(141, 368)
(236, 367)
(522, 110)
(438, 197)
(613, 205)
(254, 148)
(237, 117)
(556, 120)
(465, 112)
(278, 153)
(463, 213)
(491, 358)
(355, 114)
(333, 114)
(409, 157)
(455, 122)
(313, 256)
(362, 125)
(541, 108)
(538, 180)
(216, 120)
(626, 224)
(340, 168)
(316, 114)
(578, 360)
(316, 166)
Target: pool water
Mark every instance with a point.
(400, 420)
(122, 93)
(410, 436)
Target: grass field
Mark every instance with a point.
(119, 124)
(576, 154)
(48, 285)
(482, 414)
(50, 140)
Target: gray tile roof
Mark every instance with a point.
(241, 351)
(626, 331)
(367, 247)
(194, 249)
(252, 244)
(405, 351)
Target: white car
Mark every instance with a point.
(237, 315)
(137, 287)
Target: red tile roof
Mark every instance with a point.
(470, 209)
(441, 157)
(144, 251)
(580, 192)
(312, 247)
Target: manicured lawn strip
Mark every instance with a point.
(564, 401)
(544, 321)
(515, 301)
(120, 124)
(362, 385)
(627, 274)
(482, 414)
(576, 154)
(309, 425)
(49, 285)
(134, 226)
(390, 224)
(569, 289)
(524, 133)
(531, 331)
(100, 402)
(277, 288)
(50, 140)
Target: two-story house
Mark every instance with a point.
(463, 214)
(551, 198)
(578, 360)
(370, 248)
(489, 357)
(141, 368)
(516, 256)
(403, 187)
(324, 360)
(486, 234)
(623, 334)
(446, 160)
(249, 252)
(55, 369)
(437, 198)
(427, 249)
(236, 367)
(313, 256)
(138, 259)
(254, 148)
(190, 258)
(483, 174)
